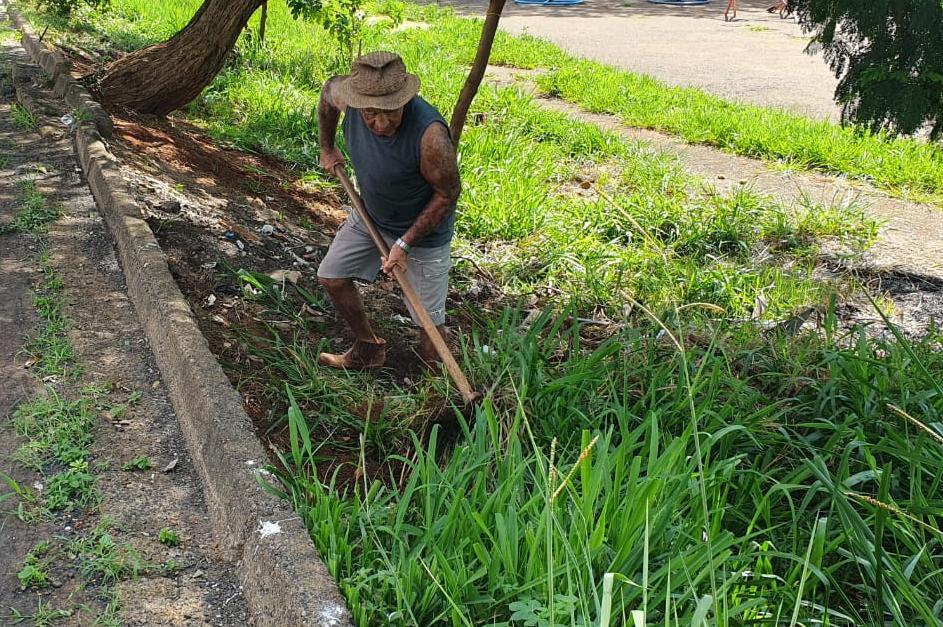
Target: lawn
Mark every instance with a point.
(684, 468)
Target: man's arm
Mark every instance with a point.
(329, 113)
(439, 166)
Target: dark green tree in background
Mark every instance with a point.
(888, 57)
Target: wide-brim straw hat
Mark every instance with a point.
(378, 80)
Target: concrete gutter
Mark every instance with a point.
(285, 582)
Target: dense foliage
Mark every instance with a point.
(888, 55)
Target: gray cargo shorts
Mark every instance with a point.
(352, 255)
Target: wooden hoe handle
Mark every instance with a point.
(424, 319)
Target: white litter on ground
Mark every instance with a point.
(269, 528)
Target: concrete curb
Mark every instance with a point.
(285, 582)
(58, 68)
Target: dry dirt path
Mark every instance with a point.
(185, 585)
(757, 58)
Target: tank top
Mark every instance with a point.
(388, 171)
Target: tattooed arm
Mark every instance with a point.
(329, 112)
(439, 166)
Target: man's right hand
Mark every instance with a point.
(330, 159)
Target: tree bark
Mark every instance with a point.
(262, 19)
(477, 72)
(163, 77)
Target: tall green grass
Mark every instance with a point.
(775, 486)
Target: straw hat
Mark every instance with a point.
(378, 80)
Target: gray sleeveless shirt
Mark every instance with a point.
(391, 183)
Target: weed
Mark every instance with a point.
(170, 567)
(168, 537)
(82, 115)
(55, 429)
(4, 162)
(134, 399)
(109, 617)
(138, 463)
(34, 213)
(35, 570)
(71, 488)
(22, 118)
(44, 616)
(105, 561)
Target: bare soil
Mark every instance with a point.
(111, 349)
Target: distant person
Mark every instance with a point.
(405, 162)
(780, 7)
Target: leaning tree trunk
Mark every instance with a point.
(166, 76)
(477, 72)
(262, 20)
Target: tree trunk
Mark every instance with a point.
(163, 77)
(262, 19)
(477, 72)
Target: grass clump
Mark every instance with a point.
(104, 561)
(35, 570)
(51, 349)
(58, 436)
(35, 212)
(22, 118)
(44, 616)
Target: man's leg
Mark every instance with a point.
(428, 272)
(351, 255)
(427, 351)
(346, 299)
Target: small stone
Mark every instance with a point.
(721, 177)
(169, 206)
(197, 574)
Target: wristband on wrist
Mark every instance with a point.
(406, 247)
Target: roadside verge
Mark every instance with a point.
(285, 582)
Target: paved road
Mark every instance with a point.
(758, 58)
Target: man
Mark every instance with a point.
(406, 166)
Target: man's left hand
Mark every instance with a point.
(396, 258)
